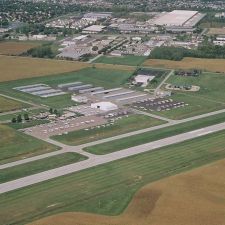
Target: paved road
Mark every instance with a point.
(99, 160)
(19, 100)
(96, 57)
(161, 84)
(152, 115)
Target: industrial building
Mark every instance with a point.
(94, 29)
(178, 20)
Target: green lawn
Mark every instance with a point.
(129, 60)
(24, 125)
(15, 145)
(121, 126)
(209, 98)
(143, 138)
(98, 77)
(107, 189)
(7, 104)
(38, 166)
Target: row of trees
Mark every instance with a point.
(177, 53)
(44, 51)
(19, 118)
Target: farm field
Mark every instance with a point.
(216, 31)
(121, 126)
(7, 104)
(16, 47)
(98, 77)
(129, 60)
(143, 138)
(38, 166)
(16, 145)
(43, 67)
(109, 188)
(212, 65)
(151, 205)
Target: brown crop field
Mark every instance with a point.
(14, 67)
(216, 31)
(15, 48)
(212, 65)
(195, 197)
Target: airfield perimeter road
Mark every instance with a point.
(99, 160)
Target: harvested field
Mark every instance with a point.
(15, 48)
(186, 199)
(14, 68)
(213, 65)
(216, 31)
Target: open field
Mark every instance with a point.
(129, 60)
(216, 31)
(99, 77)
(7, 104)
(38, 166)
(43, 67)
(121, 126)
(212, 65)
(190, 194)
(16, 145)
(143, 138)
(108, 189)
(15, 47)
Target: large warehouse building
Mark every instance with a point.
(179, 20)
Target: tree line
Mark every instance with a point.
(178, 53)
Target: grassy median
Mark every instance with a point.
(143, 138)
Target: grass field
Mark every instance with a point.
(212, 65)
(38, 166)
(98, 77)
(109, 188)
(43, 67)
(16, 145)
(124, 125)
(193, 191)
(210, 97)
(129, 60)
(7, 104)
(143, 138)
(15, 47)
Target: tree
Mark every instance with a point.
(51, 110)
(55, 112)
(26, 117)
(19, 118)
(95, 48)
(13, 120)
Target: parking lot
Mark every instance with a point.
(60, 127)
(158, 104)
